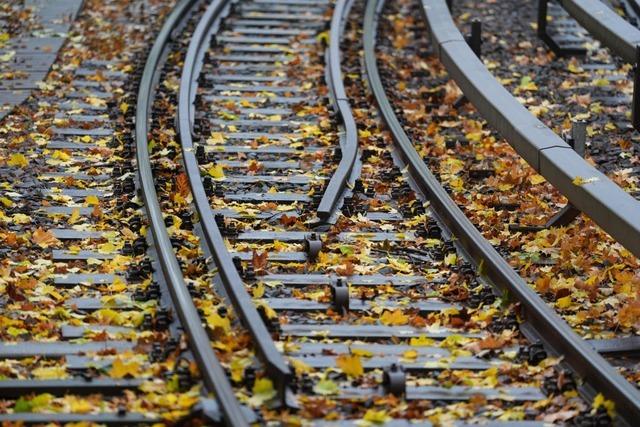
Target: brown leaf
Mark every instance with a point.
(182, 184)
(43, 238)
(346, 269)
(259, 261)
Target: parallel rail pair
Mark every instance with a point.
(544, 322)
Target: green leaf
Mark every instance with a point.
(326, 388)
(22, 405)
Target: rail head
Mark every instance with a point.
(598, 197)
(213, 373)
(276, 366)
(338, 182)
(548, 326)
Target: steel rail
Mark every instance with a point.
(276, 366)
(547, 325)
(594, 194)
(214, 376)
(338, 181)
(605, 25)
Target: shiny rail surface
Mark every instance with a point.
(210, 368)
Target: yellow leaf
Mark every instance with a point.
(216, 138)
(396, 317)
(74, 217)
(610, 406)
(262, 391)
(124, 107)
(362, 352)
(18, 160)
(106, 248)
(216, 171)
(563, 302)
(237, 368)
(61, 155)
(421, 341)
(450, 259)
(118, 285)
(49, 373)
(300, 367)
(6, 202)
(21, 218)
(91, 200)
(578, 180)
(350, 364)
(217, 321)
(376, 417)
(410, 354)
(120, 369)
(536, 179)
(258, 290)
(399, 265)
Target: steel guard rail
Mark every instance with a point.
(339, 180)
(598, 197)
(545, 322)
(605, 25)
(212, 371)
(277, 368)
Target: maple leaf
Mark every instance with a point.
(259, 260)
(288, 221)
(120, 369)
(346, 269)
(18, 160)
(350, 364)
(216, 171)
(43, 238)
(394, 318)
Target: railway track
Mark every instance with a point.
(280, 252)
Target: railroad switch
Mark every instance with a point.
(394, 380)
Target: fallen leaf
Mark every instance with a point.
(350, 364)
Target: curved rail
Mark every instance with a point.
(276, 366)
(597, 196)
(605, 25)
(212, 372)
(546, 324)
(338, 182)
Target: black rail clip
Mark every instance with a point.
(312, 246)
(340, 295)
(394, 380)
